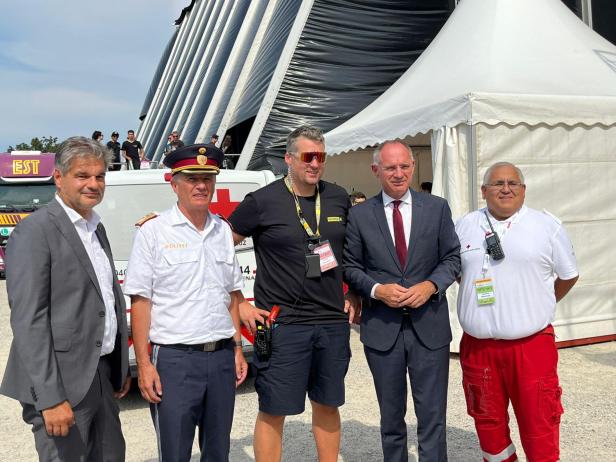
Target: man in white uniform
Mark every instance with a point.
(184, 279)
(506, 305)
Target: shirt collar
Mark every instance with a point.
(178, 218)
(512, 219)
(388, 199)
(75, 218)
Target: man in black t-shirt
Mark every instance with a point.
(114, 146)
(132, 151)
(294, 221)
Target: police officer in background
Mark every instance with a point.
(506, 304)
(183, 279)
(298, 226)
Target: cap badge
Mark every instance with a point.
(201, 160)
(202, 150)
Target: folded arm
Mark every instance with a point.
(563, 286)
(353, 260)
(448, 267)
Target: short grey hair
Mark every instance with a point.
(305, 131)
(491, 168)
(81, 147)
(376, 155)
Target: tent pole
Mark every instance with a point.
(587, 12)
(472, 168)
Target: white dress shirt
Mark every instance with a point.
(188, 275)
(86, 229)
(405, 208)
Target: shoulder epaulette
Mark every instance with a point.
(145, 219)
(554, 217)
(226, 221)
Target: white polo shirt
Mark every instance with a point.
(537, 250)
(188, 275)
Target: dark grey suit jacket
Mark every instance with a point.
(370, 258)
(57, 312)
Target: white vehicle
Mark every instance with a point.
(130, 195)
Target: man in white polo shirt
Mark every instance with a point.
(516, 264)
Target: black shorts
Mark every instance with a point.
(312, 359)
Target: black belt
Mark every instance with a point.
(208, 347)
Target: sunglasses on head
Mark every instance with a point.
(310, 155)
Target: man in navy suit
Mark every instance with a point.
(401, 253)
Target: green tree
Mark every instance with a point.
(43, 144)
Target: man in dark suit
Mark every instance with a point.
(70, 347)
(401, 253)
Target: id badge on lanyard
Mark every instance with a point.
(484, 287)
(320, 256)
(327, 259)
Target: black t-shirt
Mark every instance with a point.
(114, 147)
(281, 243)
(132, 148)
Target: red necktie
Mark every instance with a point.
(401, 247)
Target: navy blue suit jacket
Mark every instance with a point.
(370, 258)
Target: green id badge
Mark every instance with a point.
(484, 289)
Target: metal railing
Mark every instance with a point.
(152, 164)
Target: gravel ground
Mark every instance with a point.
(588, 430)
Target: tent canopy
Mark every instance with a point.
(495, 61)
(523, 81)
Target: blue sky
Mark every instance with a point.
(74, 66)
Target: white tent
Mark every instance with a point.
(524, 81)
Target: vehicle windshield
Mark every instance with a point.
(25, 197)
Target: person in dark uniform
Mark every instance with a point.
(184, 282)
(294, 221)
(133, 151)
(114, 146)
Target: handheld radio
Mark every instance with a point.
(263, 337)
(493, 244)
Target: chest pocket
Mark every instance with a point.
(181, 256)
(178, 269)
(219, 277)
(224, 256)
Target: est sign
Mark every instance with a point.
(26, 166)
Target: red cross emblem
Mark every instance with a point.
(223, 204)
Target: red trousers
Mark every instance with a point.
(522, 371)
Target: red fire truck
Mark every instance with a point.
(26, 183)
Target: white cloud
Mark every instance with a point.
(63, 112)
(75, 66)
